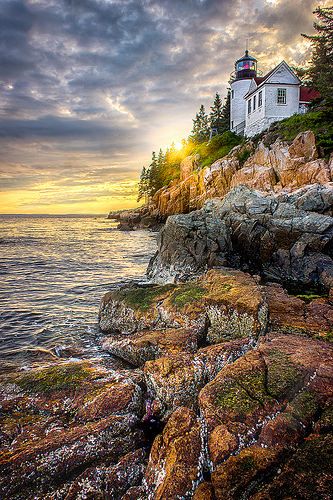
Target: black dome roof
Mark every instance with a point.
(246, 57)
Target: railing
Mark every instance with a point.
(233, 75)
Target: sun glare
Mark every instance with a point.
(178, 146)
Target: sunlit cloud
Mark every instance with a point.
(89, 88)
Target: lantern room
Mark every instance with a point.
(246, 67)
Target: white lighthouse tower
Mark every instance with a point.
(245, 70)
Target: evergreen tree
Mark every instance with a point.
(141, 184)
(201, 129)
(155, 176)
(143, 188)
(225, 122)
(216, 114)
(320, 69)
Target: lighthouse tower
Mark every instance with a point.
(245, 70)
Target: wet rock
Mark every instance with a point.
(110, 482)
(230, 302)
(144, 346)
(57, 421)
(307, 474)
(307, 314)
(204, 491)
(176, 380)
(246, 467)
(175, 462)
(261, 408)
(134, 493)
(131, 309)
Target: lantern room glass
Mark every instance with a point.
(246, 65)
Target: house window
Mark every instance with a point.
(260, 99)
(254, 102)
(249, 107)
(281, 96)
(232, 94)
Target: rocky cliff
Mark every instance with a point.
(275, 168)
(283, 238)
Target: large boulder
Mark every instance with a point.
(175, 462)
(189, 244)
(247, 229)
(144, 346)
(304, 313)
(261, 408)
(176, 380)
(311, 198)
(223, 304)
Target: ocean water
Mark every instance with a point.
(53, 274)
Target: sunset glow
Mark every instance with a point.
(81, 109)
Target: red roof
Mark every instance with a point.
(259, 79)
(307, 94)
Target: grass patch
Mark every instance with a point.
(54, 378)
(309, 297)
(243, 155)
(142, 298)
(217, 148)
(320, 121)
(328, 336)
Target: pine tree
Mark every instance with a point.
(201, 129)
(155, 177)
(320, 69)
(143, 184)
(216, 114)
(225, 122)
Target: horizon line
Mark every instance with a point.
(54, 215)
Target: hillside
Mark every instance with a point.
(293, 153)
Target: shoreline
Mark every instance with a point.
(224, 377)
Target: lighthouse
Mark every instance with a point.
(245, 71)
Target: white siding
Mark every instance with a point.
(237, 103)
(271, 111)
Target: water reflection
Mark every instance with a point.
(53, 272)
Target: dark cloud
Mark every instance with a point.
(106, 81)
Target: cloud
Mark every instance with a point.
(88, 88)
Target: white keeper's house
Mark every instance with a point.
(258, 101)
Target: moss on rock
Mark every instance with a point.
(283, 374)
(54, 378)
(190, 292)
(141, 298)
(244, 394)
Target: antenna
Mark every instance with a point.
(247, 44)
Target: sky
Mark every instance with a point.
(89, 88)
